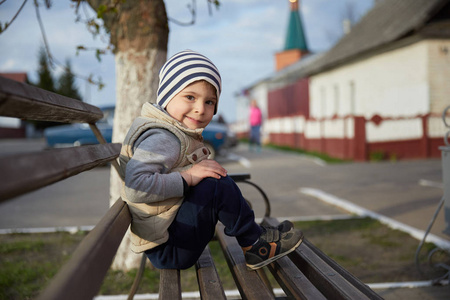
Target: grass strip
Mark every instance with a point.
(365, 247)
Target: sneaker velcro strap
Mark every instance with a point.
(272, 235)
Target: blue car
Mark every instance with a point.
(80, 133)
(216, 135)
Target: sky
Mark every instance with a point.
(241, 38)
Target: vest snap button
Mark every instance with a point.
(194, 157)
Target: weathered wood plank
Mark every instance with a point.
(324, 276)
(344, 273)
(250, 285)
(169, 285)
(27, 102)
(23, 173)
(239, 176)
(208, 280)
(293, 282)
(81, 277)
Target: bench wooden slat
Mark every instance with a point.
(24, 101)
(23, 173)
(248, 282)
(169, 284)
(239, 176)
(344, 273)
(81, 277)
(293, 281)
(208, 279)
(328, 280)
(325, 278)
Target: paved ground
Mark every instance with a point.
(389, 189)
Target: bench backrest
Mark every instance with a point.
(93, 257)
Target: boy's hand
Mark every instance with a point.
(205, 168)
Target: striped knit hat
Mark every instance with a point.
(183, 69)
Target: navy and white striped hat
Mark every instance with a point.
(183, 69)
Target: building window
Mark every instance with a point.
(352, 98)
(323, 102)
(336, 100)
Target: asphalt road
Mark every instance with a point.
(390, 189)
(406, 191)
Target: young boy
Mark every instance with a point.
(175, 194)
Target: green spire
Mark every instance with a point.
(295, 37)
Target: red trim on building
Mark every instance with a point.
(293, 100)
(12, 133)
(281, 104)
(357, 149)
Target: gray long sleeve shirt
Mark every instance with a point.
(147, 178)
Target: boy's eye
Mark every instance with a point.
(190, 97)
(211, 102)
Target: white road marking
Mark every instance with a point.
(242, 160)
(424, 182)
(361, 211)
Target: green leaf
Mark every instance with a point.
(98, 52)
(4, 27)
(101, 10)
(216, 3)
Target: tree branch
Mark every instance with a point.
(53, 61)
(7, 24)
(192, 9)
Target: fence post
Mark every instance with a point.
(360, 142)
(446, 171)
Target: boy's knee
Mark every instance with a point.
(207, 184)
(214, 186)
(213, 182)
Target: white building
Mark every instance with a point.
(380, 91)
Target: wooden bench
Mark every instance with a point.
(306, 273)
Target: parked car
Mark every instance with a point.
(217, 136)
(80, 133)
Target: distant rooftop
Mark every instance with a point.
(389, 21)
(20, 77)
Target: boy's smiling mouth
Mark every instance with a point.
(193, 120)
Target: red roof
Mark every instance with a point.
(20, 77)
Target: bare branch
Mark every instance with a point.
(212, 2)
(192, 9)
(44, 36)
(7, 24)
(53, 61)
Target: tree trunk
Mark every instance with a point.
(139, 33)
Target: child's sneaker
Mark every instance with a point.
(274, 242)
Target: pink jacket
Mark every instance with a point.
(255, 116)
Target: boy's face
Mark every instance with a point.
(194, 105)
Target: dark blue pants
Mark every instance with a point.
(255, 135)
(210, 201)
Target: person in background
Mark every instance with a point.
(255, 127)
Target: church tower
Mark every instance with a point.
(295, 46)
